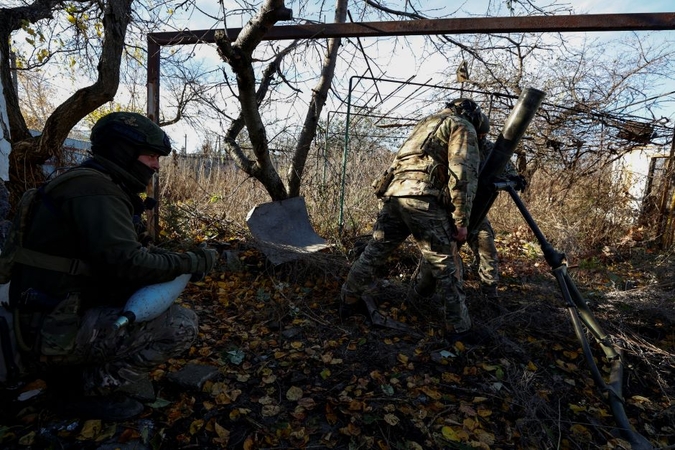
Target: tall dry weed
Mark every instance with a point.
(205, 197)
(211, 197)
(579, 218)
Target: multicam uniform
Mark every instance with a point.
(436, 170)
(482, 241)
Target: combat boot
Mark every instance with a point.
(68, 399)
(351, 304)
(490, 291)
(114, 407)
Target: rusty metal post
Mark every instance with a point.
(154, 50)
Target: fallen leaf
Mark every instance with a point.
(90, 430)
(294, 393)
(307, 402)
(107, 433)
(196, 426)
(450, 434)
(391, 419)
(485, 437)
(577, 408)
(270, 410)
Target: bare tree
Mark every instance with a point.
(97, 46)
(591, 93)
(38, 98)
(29, 152)
(590, 118)
(239, 55)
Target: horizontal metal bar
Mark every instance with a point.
(473, 25)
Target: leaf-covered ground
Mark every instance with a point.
(292, 375)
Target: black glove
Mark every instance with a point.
(202, 260)
(520, 182)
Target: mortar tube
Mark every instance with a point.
(514, 129)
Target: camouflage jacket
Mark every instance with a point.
(486, 147)
(440, 156)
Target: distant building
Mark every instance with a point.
(642, 173)
(74, 152)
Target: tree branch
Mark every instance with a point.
(319, 95)
(239, 56)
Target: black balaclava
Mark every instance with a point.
(121, 160)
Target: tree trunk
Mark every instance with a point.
(238, 55)
(274, 187)
(29, 153)
(319, 96)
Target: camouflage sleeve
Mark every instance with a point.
(485, 149)
(463, 165)
(509, 170)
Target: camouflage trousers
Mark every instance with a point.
(110, 359)
(486, 261)
(429, 224)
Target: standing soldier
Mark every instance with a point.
(74, 257)
(482, 240)
(428, 192)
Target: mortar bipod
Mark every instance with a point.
(579, 313)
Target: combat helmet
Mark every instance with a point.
(468, 109)
(141, 133)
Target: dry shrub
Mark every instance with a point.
(326, 196)
(209, 194)
(205, 197)
(211, 197)
(577, 218)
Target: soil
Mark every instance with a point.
(292, 374)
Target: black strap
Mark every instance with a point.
(7, 351)
(33, 258)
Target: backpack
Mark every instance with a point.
(14, 239)
(13, 250)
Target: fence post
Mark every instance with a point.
(665, 209)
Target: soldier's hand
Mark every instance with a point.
(202, 260)
(519, 181)
(460, 235)
(207, 259)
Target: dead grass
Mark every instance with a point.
(212, 195)
(588, 220)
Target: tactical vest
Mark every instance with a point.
(421, 162)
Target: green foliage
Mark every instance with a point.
(592, 263)
(531, 250)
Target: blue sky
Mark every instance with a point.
(439, 7)
(405, 66)
(622, 6)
